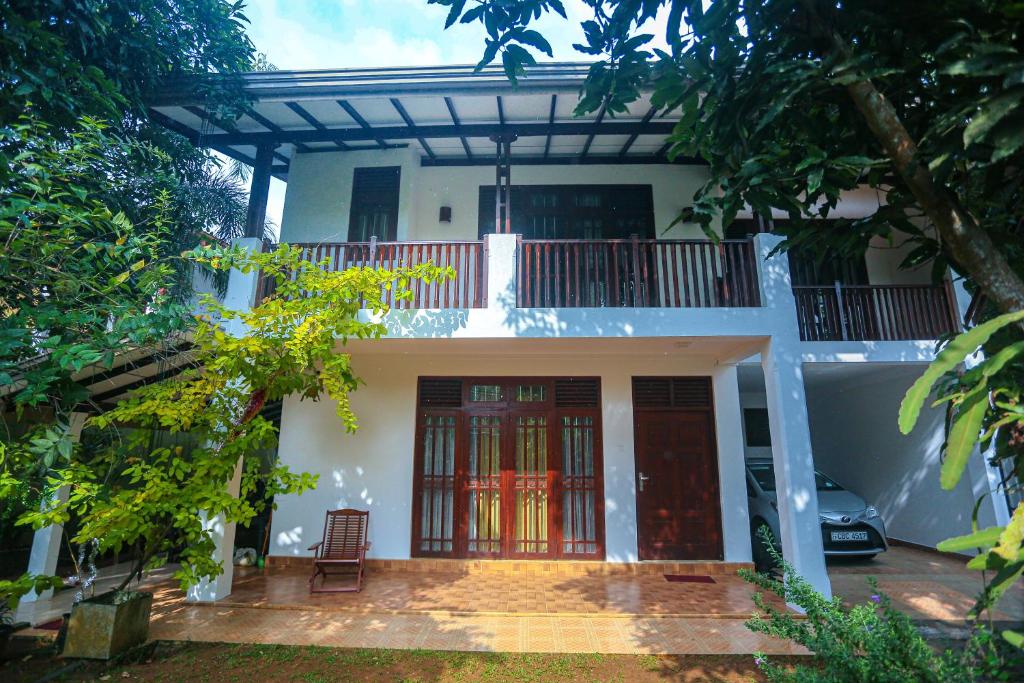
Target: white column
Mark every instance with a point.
(796, 492)
(42, 559)
(219, 587)
(501, 270)
(240, 296)
(731, 467)
(787, 419)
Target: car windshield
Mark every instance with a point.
(764, 475)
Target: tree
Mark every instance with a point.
(130, 495)
(792, 102)
(91, 190)
(96, 201)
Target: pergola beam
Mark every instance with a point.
(357, 117)
(456, 129)
(223, 125)
(397, 104)
(311, 120)
(632, 138)
(575, 160)
(551, 122)
(459, 130)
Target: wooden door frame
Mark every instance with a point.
(509, 410)
(709, 411)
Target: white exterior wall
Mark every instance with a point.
(372, 469)
(857, 442)
(318, 200)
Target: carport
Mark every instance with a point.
(852, 410)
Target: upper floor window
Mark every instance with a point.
(374, 210)
(574, 211)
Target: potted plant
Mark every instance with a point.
(108, 624)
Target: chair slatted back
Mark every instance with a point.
(344, 534)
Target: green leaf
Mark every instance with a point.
(1014, 638)
(992, 112)
(963, 435)
(952, 355)
(986, 538)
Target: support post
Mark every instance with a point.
(241, 295)
(46, 542)
(219, 587)
(503, 182)
(259, 190)
(796, 490)
(731, 466)
(500, 251)
(793, 459)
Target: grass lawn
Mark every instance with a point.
(177, 662)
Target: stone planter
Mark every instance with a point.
(108, 624)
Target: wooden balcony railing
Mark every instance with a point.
(636, 273)
(466, 290)
(874, 312)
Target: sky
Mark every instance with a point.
(325, 34)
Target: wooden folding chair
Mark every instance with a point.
(344, 545)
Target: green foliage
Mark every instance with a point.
(80, 283)
(793, 102)
(12, 591)
(96, 202)
(873, 642)
(148, 499)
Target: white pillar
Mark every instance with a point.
(732, 482)
(219, 587)
(42, 559)
(787, 419)
(240, 296)
(796, 492)
(501, 270)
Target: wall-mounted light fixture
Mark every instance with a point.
(446, 214)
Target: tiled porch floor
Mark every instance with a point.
(545, 613)
(477, 612)
(494, 594)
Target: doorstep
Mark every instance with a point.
(536, 567)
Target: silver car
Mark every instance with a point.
(849, 526)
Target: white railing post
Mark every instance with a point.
(500, 252)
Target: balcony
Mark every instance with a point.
(649, 274)
(874, 312)
(636, 274)
(466, 290)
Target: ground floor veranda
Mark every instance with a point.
(521, 607)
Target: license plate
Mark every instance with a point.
(849, 535)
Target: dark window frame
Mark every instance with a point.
(558, 212)
(376, 190)
(766, 441)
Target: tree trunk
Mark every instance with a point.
(969, 244)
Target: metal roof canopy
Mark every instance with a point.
(448, 114)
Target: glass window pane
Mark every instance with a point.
(486, 393)
(528, 393)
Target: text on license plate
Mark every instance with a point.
(849, 535)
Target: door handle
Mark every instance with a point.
(643, 477)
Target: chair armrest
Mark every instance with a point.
(316, 546)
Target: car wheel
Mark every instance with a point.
(763, 561)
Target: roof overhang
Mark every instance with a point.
(448, 115)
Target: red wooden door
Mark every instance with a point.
(678, 508)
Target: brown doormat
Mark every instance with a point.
(688, 578)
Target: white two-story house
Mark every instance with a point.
(589, 385)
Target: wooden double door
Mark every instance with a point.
(679, 513)
(508, 468)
